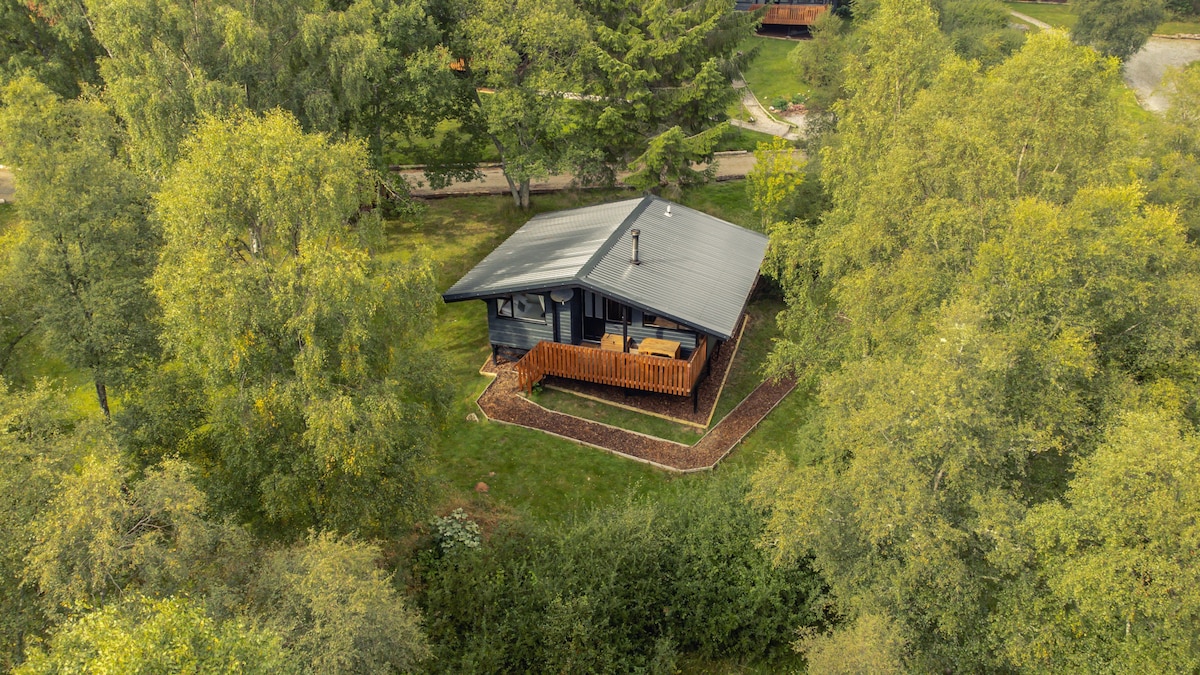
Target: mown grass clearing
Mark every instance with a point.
(534, 473)
(1059, 16)
(769, 74)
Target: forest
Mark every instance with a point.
(237, 421)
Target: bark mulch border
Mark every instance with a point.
(501, 402)
(676, 409)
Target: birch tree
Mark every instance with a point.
(90, 247)
(321, 398)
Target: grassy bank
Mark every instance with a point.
(1063, 16)
(770, 75)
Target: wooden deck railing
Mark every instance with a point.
(636, 371)
(792, 15)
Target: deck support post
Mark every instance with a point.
(625, 329)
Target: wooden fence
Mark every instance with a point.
(792, 15)
(618, 369)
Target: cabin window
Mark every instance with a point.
(615, 311)
(523, 306)
(655, 321)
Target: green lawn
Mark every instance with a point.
(1063, 16)
(1176, 27)
(769, 75)
(534, 473)
(738, 138)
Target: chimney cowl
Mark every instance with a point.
(634, 256)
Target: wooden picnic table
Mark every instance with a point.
(659, 347)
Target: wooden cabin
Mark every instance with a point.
(637, 293)
(787, 12)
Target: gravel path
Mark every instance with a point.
(762, 121)
(1029, 19)
(502, 402)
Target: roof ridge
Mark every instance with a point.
(612, 240)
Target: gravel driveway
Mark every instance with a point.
(1144, 72)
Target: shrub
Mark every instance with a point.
(626, 588)
(779, 103)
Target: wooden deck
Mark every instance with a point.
(617, 369)
(791, 15)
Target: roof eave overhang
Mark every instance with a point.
(613, 293)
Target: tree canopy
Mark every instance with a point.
(89, 246)
(320, 400)
(1117, 28)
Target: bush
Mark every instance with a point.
(627, 588)
(780, 103)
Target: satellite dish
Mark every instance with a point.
(561, 294)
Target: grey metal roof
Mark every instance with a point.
(695, 269)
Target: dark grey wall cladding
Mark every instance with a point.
(686, 339)
(564, 320)
(516, 332)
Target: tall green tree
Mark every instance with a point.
(521, 60)
(104, 535)
(338, 612)
(932, 181)
(142, 636)
(1173, 146)
(651, 68)
(18, 316)
(321, 399)
(50, 40)
(41, 439)
(1108, 575)
(90, 247)
(366, 68)
(973, 311)
(1116, 27)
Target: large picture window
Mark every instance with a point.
(615, 312)
(655, 321)
(523, 306)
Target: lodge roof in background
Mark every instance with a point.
(695, 268)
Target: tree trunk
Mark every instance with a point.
(523, 200)
(102, 396)
(513, 188)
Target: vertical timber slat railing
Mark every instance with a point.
(635, 371)
(791, 15)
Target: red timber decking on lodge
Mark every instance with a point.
(791, 15)
(617, 369)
